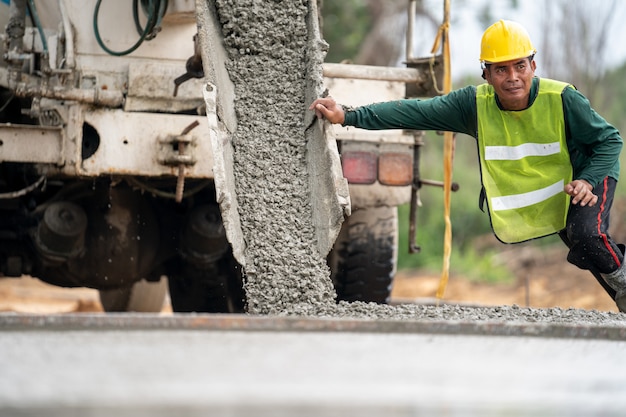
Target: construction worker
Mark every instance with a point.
(549, 163)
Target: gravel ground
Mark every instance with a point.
(269, 62)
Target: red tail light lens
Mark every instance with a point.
(359, 167)
(395, 169)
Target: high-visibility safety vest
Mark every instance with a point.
(524, 163)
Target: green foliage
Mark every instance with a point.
(612, 106)
(480, 266)
(468, 222)
(465, 260)
(345, 24)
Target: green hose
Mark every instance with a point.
(149, 8)
(154, 9)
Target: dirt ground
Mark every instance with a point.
(543, 279)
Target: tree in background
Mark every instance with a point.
(613, 98)
(369, 32)
(344, 24)
(576, 40)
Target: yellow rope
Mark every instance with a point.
(448, 148)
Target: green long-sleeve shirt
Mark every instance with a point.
(594, 145)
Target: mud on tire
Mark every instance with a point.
(363, 259)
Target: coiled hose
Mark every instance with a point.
(154, 9)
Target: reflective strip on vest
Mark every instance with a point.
(512, 153)
(524, 163)
(516, 201)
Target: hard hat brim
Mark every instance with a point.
(508, 58)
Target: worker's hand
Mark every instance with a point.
(581, 192)
(327, 108)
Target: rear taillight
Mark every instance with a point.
(359, 167)
(389, 168)
(395, 169)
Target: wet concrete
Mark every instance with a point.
(268, 51)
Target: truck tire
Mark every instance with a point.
(363, 259)
(143, 297)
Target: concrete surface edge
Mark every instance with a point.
(243, 322)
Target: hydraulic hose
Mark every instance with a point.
(159, 6)
(155, 9)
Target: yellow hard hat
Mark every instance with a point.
(504, 41)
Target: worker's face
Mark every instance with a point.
(512, 81)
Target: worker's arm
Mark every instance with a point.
(594, 144)
(455, 112)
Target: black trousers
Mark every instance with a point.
(586, 234)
